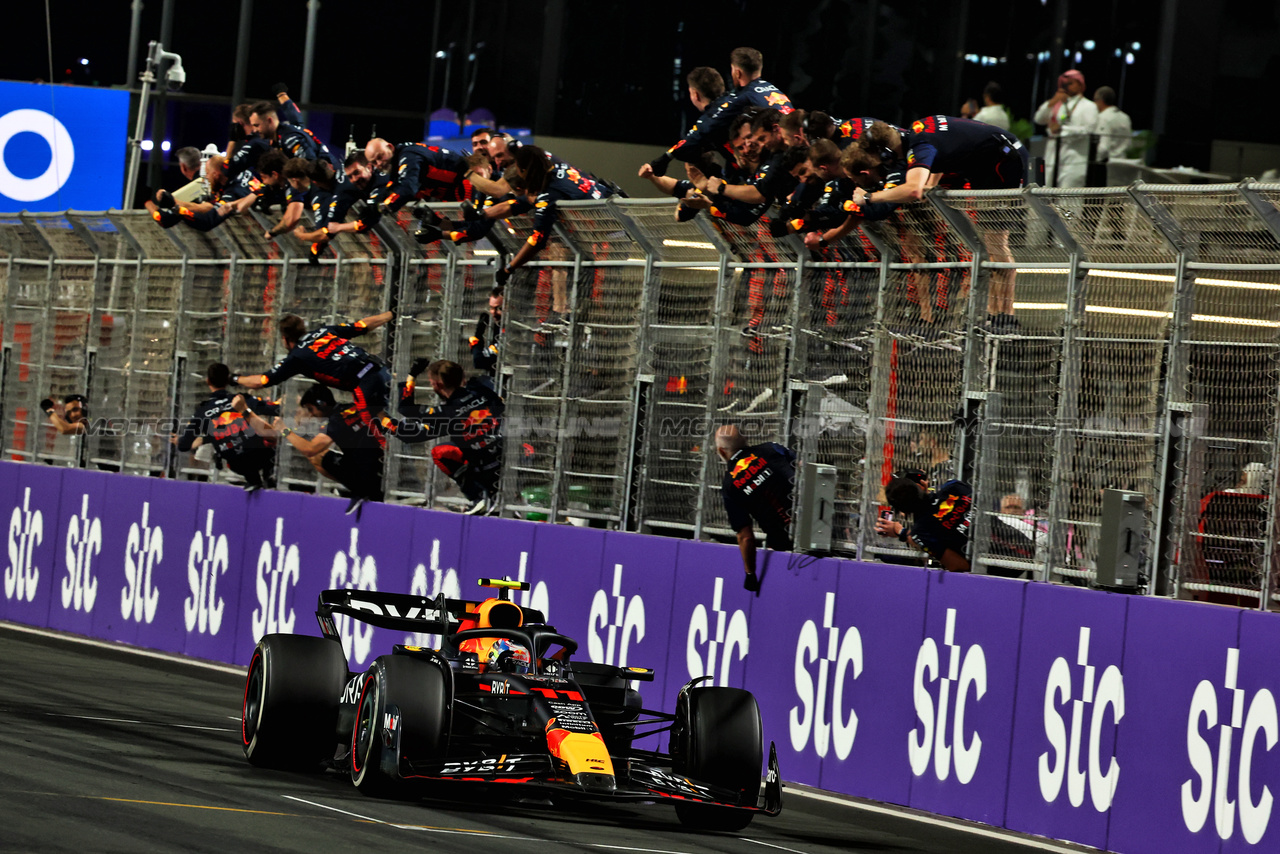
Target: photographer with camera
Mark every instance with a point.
(940, 520)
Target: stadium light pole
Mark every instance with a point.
(240, 81)
(135, 33)
(309, 55)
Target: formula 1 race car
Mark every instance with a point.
(500, 702)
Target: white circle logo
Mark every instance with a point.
(64, 155)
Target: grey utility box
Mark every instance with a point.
(1120, 542)
(815, 507)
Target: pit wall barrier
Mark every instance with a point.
(1134, 724)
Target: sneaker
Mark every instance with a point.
(758, 399)
(479, 508)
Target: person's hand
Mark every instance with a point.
(268, 235)
(813, 240)
(277, 423)
(239, 404)
(646, 171)
(696, 177)
(419, 365)
(46, 406)
(658, 165)
(501, 275)
(888, 527)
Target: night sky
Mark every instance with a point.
(616, 73)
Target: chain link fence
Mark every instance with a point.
(1046, 345)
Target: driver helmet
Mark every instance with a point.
(506, 656)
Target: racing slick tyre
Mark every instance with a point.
(291, 696)
(718, 740)
(417, 690)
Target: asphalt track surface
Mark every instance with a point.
(106, 750)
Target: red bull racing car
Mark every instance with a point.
(500, 702)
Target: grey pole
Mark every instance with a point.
(431, 75)
(135, 33)
(160, 118)
(309, 55)
(242, 53)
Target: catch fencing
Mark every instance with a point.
(1144, 358)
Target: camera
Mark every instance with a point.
(175, 77)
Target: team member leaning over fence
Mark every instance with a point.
(941, 520)
(216, 422)
(971, 155)
(327, 356)
(469, 417)
(546, 181)
(757, 485)
(358, 461)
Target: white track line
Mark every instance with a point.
(907, 813)
(772, 845)
(485, 833)
(141, 723)
(117, 647)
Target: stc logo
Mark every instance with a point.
(354, 572)
(967, 671)
(1257, 716)
(844, 657)
(84, 543)
(730, 633)
(207, 559)
(1062, 760)
(429, 582)
(277, 575)
(626, 625)
(26, 532)
(143, 549)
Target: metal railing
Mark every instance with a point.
(1144, 358)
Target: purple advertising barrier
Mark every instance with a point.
(885, 605)
(371, 553)
(78, 556)
(710, 619)
(964, 678)
(136, 554)
(160, 570)
(1062, 773)
(213, 568)
(629, 620)
(788, 670)
(497, 548)
(567, 560)
(31, 542)
(1178, 745)
(1257, 756)
(435, 558)
(629, 617)
(271, 567)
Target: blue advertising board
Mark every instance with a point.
(61, 147)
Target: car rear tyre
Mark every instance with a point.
(291, 695)
(417, 690)
(718, 741)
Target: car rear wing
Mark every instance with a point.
(400, 611)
